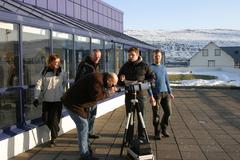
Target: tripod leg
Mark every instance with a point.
(125, 133)
(142, 121)
(130, 130)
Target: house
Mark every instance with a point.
(213, 56)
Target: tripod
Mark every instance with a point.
(129, 128)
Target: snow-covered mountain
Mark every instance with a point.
(181, 45)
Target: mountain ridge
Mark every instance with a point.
(181, 45)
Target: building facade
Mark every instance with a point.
(213, 56)
(30, 30)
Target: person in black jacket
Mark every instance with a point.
(90, 65)
(135, 70)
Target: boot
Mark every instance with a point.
(165, 133)
(157, 135)
(52, 142)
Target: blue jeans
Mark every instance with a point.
(91, 118)
(82, 133)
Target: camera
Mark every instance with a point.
(137, 86)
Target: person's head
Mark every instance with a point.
(133, 54)
(112, 80)
(95, 55)
(54, 61)
(157, 56)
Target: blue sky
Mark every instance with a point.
(179, 14)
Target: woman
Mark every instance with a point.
(50, 88)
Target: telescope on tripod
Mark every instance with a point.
(138, 149)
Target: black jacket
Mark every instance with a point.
(136, 71)
(85, 67)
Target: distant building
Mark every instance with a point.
(213, 56)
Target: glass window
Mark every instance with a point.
(98, 44)
(125, 49)
(205, 52)
(110, 57)
(35, 50)
(211, 63)
(119, 56)
(82, 48)
(217, 52)
(9, 73)
(236, 64)
(63, 46)
(144, 55)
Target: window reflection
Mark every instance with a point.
(63, 46)
(35, 51)
(110, 58)
(119, 56)
(144, 55)
(9, 74)
(82, 49)
(98, 44)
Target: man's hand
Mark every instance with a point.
(36, 102)
(152, 101)
(171, 96)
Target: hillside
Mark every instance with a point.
(181, 45)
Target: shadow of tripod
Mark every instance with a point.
(128, 137)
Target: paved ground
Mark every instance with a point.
(205, 125)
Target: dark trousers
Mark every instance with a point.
(131, 108)
(164, 100)
(51, 114)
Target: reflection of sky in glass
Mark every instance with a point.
(33, 30)
(82, 39)
(61, 35)
(96, 41)
(6, 26)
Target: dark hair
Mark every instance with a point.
(52, 58)
(133, 49)
(157, 51)
(96, 50)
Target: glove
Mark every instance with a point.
(36, 102)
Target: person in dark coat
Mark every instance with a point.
(89, 65)
(80, 97)
(135, 70)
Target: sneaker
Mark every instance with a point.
(93, 136)
(165, 133)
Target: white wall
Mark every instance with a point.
(224, 60)
(27, 140)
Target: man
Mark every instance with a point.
(82, 95)
(136, 70)
(89, 65)
(163, 95)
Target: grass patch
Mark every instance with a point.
(179, 77)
